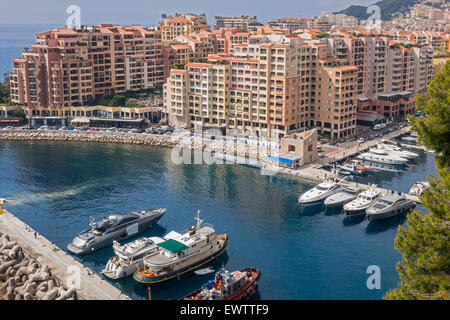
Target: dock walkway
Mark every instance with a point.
(93, 287)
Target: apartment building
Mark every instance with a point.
(294, 24)
(178, 25)
(263, 87)
(272, 86)
(228, 22)
(70, 67)
(336, 107)
(389, 105)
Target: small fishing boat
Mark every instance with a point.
(236, 285)
(390, 205)
(204, 271)
(419, 188)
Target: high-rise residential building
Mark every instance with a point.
(269, 87)
(241, 23)
(70, 67)
(178, 25)
(336, 104)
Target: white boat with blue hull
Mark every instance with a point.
(319, 193)
(389, 206)
(119, 227)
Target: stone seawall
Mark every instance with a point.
(92, 136)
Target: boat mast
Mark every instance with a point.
(199, 221)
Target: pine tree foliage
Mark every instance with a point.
(425, 243)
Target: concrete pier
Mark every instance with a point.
(92, 286)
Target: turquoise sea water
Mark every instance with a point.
(314, 255)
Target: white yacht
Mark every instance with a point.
(418, 188)
(394, 150)
(319, 193)
(364, 200)
(182, 253)
(410, 139)
(130, 256)
(382, 157)
(339, 199)
(390, 205)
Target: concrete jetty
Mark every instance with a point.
(61, 264)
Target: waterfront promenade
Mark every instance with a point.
(92, 286)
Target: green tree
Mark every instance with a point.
(118, 100)
(425, 244)
(4, 90)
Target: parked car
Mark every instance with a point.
(376, 127)
(360, 140)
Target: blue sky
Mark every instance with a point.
(148, 12)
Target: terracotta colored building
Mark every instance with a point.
(70, 67)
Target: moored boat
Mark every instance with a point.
(182, 253)
(364, 200)
(383, 157)
(120, 226)
(390, 205)
(236, 285)
(319, 193)
(419, 188)
(341, 198)
(130, 256)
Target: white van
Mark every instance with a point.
(383, 125)
(377, 127)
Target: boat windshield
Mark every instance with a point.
(387, 202)
(321, 188)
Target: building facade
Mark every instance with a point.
(71, 67)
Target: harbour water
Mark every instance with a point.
(314, 255)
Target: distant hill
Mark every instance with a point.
(387, 9)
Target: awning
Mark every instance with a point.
(284, 158)
(80, 120)
(173, 246)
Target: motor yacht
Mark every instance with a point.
(382, 157)
(390, 205)
(119, 227)
(364, 200)
(319, 193)
(130, 256)
(396, 151)
(341, 198)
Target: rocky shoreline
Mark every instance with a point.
(24, 278)
(92, 136)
